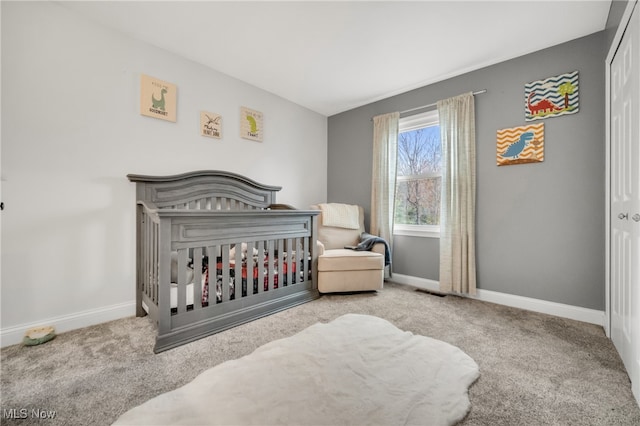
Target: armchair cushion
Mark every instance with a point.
(349, 260)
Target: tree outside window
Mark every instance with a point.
(419, 175)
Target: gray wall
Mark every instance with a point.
(540, 227)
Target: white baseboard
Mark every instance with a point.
(15, 334)
(577, 313)
(421, 283)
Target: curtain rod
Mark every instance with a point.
(435, 103)
(479, 92)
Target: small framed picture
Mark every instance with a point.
(210, 124)
(157, 98)
(251, 125)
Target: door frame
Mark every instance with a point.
(626, 17)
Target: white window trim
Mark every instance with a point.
(423, 231)
(418, 177)
(418, 121)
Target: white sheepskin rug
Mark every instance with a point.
(355, 370)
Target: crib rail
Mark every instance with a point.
(205, 189)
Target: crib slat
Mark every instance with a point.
(271, 264)
(212, 254)
(197, 278)
(280, 267)
(224, 285)
(182, 280)
(299, 258)
(250, 247)
(305, 260)
(290, 255)
(238, 271)
(261, 266)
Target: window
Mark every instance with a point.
(418, 176)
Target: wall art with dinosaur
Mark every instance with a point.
(251, 124)
(157, 98)
(551, 97)
(519, 145)
(210, 124)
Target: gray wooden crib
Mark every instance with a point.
(214, 250)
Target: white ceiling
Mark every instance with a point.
(334, 56)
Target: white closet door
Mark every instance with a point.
(625, 200)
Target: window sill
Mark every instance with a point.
(417, 231)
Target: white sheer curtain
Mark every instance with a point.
(383, 185)
(457, 214)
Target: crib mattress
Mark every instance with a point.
(174, 297)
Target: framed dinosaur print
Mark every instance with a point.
(157, 98)
(551, 97)
(520, 145)
(210, 124)
(251, 124)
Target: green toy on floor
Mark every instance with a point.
(38, 335)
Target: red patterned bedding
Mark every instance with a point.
(273, 264)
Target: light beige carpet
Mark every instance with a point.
(535, 369)
(356, 369)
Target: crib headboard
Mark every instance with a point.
(204, 190)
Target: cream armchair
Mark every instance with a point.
(342, 269)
